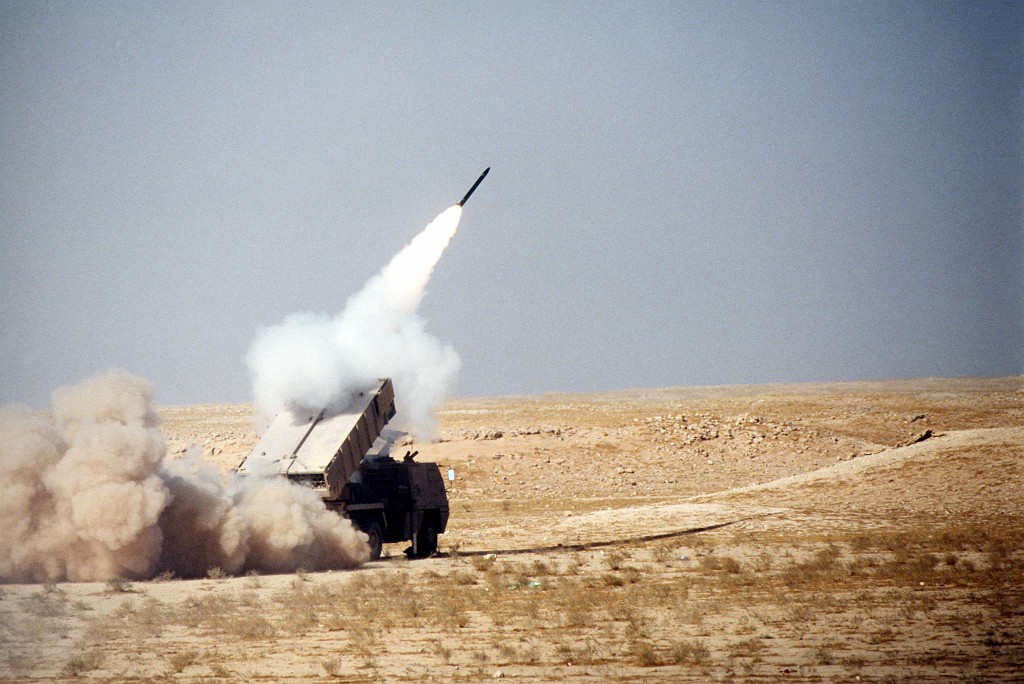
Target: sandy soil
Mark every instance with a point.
(830, 532)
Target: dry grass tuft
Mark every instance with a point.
(689, 652)
(181, 660)
(50, 602)
(82, 663)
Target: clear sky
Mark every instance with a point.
(682, 193)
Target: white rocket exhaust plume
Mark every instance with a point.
(313, 360)
(90, 496)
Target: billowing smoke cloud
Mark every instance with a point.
(90, 496)
(313, 360)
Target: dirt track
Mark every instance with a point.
(752, 533)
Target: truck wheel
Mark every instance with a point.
(426, 540)
(376, 538)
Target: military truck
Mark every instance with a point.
(344, 454)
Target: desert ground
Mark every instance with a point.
(867, 531)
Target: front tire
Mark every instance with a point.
(376, 539)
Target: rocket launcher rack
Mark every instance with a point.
(322, 450)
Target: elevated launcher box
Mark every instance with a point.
(322, 450)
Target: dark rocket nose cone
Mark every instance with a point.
(478, 181)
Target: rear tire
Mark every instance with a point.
(376, 539)
(426, 540)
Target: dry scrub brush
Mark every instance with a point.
(836, 607)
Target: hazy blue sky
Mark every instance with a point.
(682, 193)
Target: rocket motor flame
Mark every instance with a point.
(313, 360)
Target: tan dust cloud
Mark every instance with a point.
(90, 495)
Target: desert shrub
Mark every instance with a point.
(529, 653)
(220, 671)
(662, 553)
(854, 664)
(731, 565)
(691, 652)
(181, 660)
(333, 668)
(574, 602)
(763, 563)
(49, 602)
(823, 656)
(909, 565)
(715, 564)
(463, 578)
(613, 560)
(576, 617)
(507, 652)
(411, 606)
(227, 615)
(299, 619)
(746, 648)
(82, 663)
(453, 615)
(643, 653)
(540, 568)
(822, 567)
(335, 621)
(798, 613)
(577, 653)
(613, 579)
(885, 635)
(443, 652)
(250, 627)
(525, 652)
(206, 611)
(482, 563)
(517, 576)
(365, 642)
